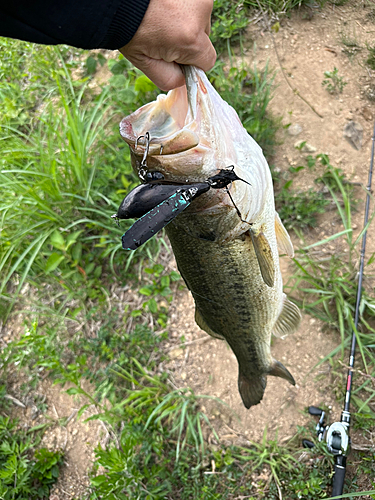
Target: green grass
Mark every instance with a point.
(351, 43)
(334, 83)
(229, 21)
(325, 285)
(159, 434)
(281, 6)
(370, 61)
(300, 209)
(62, 177)
(25, 472)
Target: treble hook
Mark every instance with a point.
(143, 166)
(147, 147)
(136, 141)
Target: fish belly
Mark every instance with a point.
(232, 300)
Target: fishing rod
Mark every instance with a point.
(337, 434)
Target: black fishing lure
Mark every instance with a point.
(158, 217)
(158, 202)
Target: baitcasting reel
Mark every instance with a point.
(336, 435)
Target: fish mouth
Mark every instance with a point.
(171, 121)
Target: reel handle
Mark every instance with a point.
(306, 443)
(314, 410)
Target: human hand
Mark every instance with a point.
(172, 32)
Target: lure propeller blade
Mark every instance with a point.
(153, 221)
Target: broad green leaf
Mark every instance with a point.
(57, 240)
(53, 261)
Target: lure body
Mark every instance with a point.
(158, 203)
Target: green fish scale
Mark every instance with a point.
(230, 294)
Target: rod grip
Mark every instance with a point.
(338, 478)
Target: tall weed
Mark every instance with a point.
(229, 20)
(325, 282)
(58, 179)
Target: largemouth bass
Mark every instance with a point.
(226, 252)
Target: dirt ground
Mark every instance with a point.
(306, 48)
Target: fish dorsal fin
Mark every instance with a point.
(288, 320)
(279, 370)
(283, 239)
(264, 255)
(203, 326)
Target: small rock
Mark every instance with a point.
(34, 412)
(176, 353)
(295, 129)
(353, 133)
(183, 376)
(366, 113)
(225, 418)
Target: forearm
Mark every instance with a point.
(87, 24)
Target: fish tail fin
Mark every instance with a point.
(251, 390)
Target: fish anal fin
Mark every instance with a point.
(288, 320)
(265, 258)
(251, 390)
(283, 239)
(203, 326)
(279, 370)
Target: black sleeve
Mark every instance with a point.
(87, 24)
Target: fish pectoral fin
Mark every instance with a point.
(203, 326)
(283, 239)
(264, 255)
(279, 370)
(288, 320)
